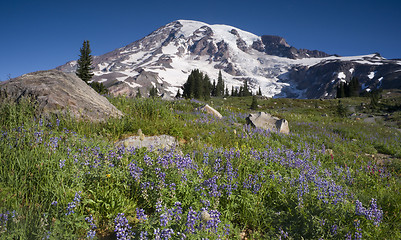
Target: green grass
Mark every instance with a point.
(253, 183)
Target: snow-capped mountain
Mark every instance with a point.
(166, 57)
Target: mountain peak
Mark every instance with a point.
(166, 56)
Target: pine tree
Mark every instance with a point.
(236, 94)
(232, 91)
(227, 93)
(354, 87)
(206, 87)
(138, 93)
(188, 87)
(260, 92)
(153, 92)
(84, 70)
(341, 91)
(245, 90)
(220, 86)
(254, 104)
(178, 94)
(197, 86)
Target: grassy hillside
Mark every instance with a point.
(335, 176)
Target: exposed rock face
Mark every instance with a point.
(58, 92)
(208, 109)
(153, 142)
(266, 121)
(277, 46)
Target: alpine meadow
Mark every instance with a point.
(331, 177)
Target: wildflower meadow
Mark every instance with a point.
(66, 179)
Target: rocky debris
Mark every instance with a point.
(60, 93)
(150, 142)
(266, 121)
(208, 109)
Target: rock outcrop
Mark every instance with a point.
(266, 121)
(149, 142)
(208, 109)
(60, 93)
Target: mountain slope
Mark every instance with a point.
(165, 58)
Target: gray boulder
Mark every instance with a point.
(208, 109)
(266, 121)
(60, 93)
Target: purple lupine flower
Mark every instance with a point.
(192, 219)
(140, 214)
(92, 232)
(164, 219)
(358, 232)
(159, 206)
(214, 221)
(177, 211)
(122, 228)
(167, 233)
(62, 163)
(334, 229)
(135, 171)
(374, 213)
(143, 235)
(3, 221)
(72, 205)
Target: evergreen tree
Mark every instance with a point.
(227, 93)
(260, 92)
(245, 90)
(254, 104)
(354, 87)
(178, 94)
(206, 87)
(84, 70)
(197, 86)
(99, 87)
(138, 93)
(220, 86)
(236, 94)
(341, 90)
(213, 92)
(188, 87)
(153, 92)
(232, 91)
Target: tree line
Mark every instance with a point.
(350, 89)
(199, 86)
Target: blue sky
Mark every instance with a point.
(41, 35)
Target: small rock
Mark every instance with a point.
(153, 142)
(205, 216)
(266, 121)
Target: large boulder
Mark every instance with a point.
(208, 109)
(60, 93)
(266, 121)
